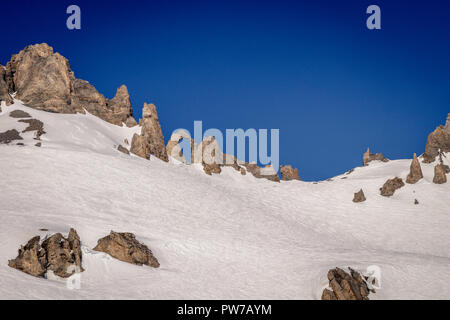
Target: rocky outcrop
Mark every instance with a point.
(151, 140)
(30, 259)
(359, 196)
(390, 186)
(415, 171)
(368, 157)
(43, 80)
(10, 135)
(125, 247)
(4, 90)
(438, 141)
(440, 174)
(288, 173)
(60, 255)
(345, 286)
(123, 149)
(267, 173)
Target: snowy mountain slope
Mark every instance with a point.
(216, 237)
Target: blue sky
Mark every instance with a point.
(310, 68)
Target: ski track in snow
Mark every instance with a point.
(217, 237)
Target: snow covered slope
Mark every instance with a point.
(216, 237)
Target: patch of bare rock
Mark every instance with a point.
(9, 136)
(125, 247)
(369, 156)
(359, 196)
(19, 114)
(390, 186)
(288, 173)
(123, 149)
(346, 286)
(60, 255)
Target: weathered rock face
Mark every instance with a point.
(267, 173)
(390, 186)
(125, 247)
(288, 173)
(4, 90)
(31, 259)
(58, 254)
(43, 80)
(10, 135)
(151, 140)
(440, 174)
(346, 286)
(439, 139)
(415, 172)
(368, 157)
(359, 196)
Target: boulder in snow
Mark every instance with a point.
(359, 196)
(125, 247)
(440, 174)
(390, 186)
(10, 135)
(288, 173)
(368, 157)
(345, 286)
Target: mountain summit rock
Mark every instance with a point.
(438, 140)
(43, 80)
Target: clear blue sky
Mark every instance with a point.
(310, 68)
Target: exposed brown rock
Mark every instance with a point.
(33, 125)
(4, 90)
(266, 173)
(43, 80)
(125, 247)
(288, 173)
(151, 140)
(415, 172)
(63, 256)
(390, 186)
(416, 201)
(123, 149)
(10, 135)
(439, 174)
(345, 286)
(39, 144)
(30, 259)
(139, 146)
(18, 114)
(368, 157)
(359, 196)
(438, 140)
(58, 254)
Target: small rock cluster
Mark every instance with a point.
(56, 253)
(63, 256)
(345, 286)
(359, 196)
(415, 172)
(368, 157)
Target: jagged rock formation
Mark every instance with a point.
(359, 196)
(368, 157)
(4, 90)
(123, 149)
(58, 254)
(151, 140)
(415, 171)
(125, 247)
(390, 186)
(267, 173)
(43, 80)
(440, 174)
(346, 286)
(288, 173)
(438, 140)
